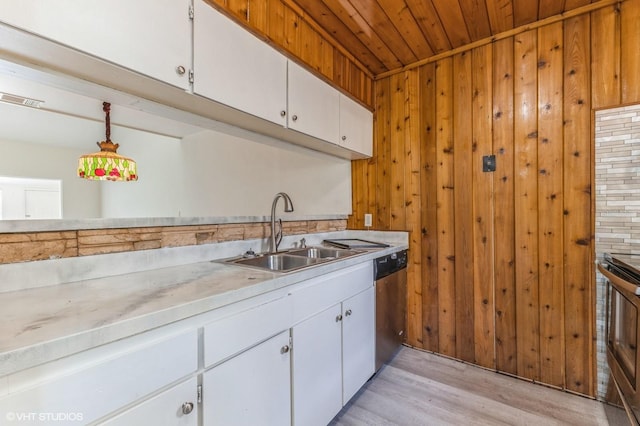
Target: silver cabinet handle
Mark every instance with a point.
(348, 312)
(283, 113)
(181, 70)
(294, 118)
(187, 407)
(284, 349)
(339, 318)
(344, 138)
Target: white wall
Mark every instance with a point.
(157, 192)
(206, 174)
(231, 176)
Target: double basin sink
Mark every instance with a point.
(293, 259)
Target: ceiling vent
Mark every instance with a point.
(20, 100)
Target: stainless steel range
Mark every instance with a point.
(622, 273)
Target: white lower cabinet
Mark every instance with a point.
(253, 388)
(333, 356)
(247, 362)
(317, 368)
(177, 406)
(295, 355)
(358, 342)
(89, 388)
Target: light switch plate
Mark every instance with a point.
(368, 218)
(489, 163)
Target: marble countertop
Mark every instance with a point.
(46, 323)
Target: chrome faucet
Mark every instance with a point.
(288, 207)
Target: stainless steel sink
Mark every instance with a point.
(294, 259)
(323, 252)
(276, 262)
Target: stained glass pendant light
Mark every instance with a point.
(107, 164)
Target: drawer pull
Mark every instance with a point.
(187, 407)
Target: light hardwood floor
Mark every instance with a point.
(420, 388)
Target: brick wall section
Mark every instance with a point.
(617, 178)
(23, 247)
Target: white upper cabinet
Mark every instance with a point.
(235, 68)
(152, 37)
(118, 44)
(356, 126)
(319, 110)
(314, 106)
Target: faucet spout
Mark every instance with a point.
(276, 237)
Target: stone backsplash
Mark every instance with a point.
(30, 246)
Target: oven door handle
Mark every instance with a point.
(619, 282)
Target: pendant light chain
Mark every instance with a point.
(106, 107)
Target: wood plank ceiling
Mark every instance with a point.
(385, 35)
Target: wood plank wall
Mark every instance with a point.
(284, 25)
(501, 271)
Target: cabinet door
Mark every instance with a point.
(314, 106)
(106, 386)
(317, 368)
(235, 68)
(253, 388)
(356, 126)
(358, 341)
(152, 37)
(177, 406)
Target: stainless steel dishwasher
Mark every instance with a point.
(391, 305)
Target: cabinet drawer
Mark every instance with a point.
(237, 332)
(321, 293)
(111, 384)
(163, 409)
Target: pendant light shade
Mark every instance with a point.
(107, 164)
